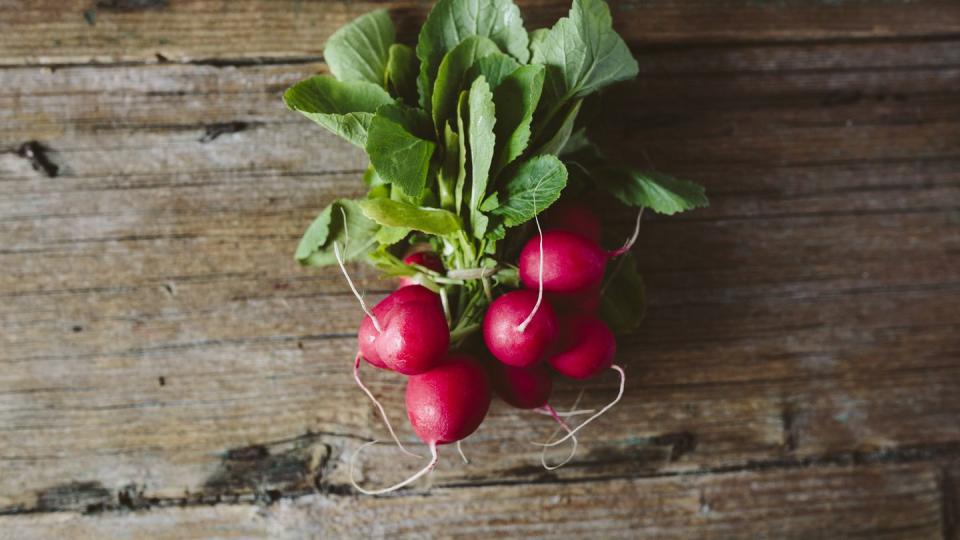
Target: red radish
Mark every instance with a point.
(507, 340)
(415, 337)
(529, 388)
(570, 262)
(573, 217)
(447, 403)
(427, 259)
(368, 340)
(524, 388)
(588, 348)
(368, 332)
(444, 405)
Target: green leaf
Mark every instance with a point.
(450, 172)
(341, 222)
(623, 304)
(516, 99)
(359, 50)
(482, 144)
(389, 264)
(494, 68)
(399, 214)
(661, 193)
(452, 75)
(582, 53)
(387, 236)
(490, 203)
(537, 36)
(396, 152)
(462, 130)
(402, 69)
(556, 143)
(452, 21)
(344, 108)
(534, 186)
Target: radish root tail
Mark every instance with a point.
(383, 413)
(536, 307)
(630, 241)
(623, 379)
(343, 268)
(573, 449)
(429, 467)
(462, 455)
(564, 414)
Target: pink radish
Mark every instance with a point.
(447, 403)
(415, 337)
(524, 388)
(570, 262)
(588, 347)
(506, 337)
(530, 388)
(573, 217)
(368, 339)
(369, 333)
(426, 259)
(444, 405)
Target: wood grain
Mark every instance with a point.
(798, 374)
(851, 503)
(79, 31)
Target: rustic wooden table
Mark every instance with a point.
(170, 372)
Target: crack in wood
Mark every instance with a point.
(37, 154)
(131, 5)
(287, 469)
(212, 131)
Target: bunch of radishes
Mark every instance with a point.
(471, 135)
(553, 321)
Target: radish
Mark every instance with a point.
(444, 405)
(524, 388)
(570, 262)
(587, 349)
(370, 331)
(415, 337)
(509, 339)
(426, 259)
(530, 388)
(573, 217)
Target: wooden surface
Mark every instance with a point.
(170, 372)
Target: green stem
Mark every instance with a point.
(461, 333)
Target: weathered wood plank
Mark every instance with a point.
(76, 31)
(161, 341)
(892, 501)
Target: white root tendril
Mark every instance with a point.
(573, 449)
(536, 307)
(623, 379)
(383, 413)
(353, 462)
(462, 455)
(363, 305)
(562, 414)
(630, 241)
